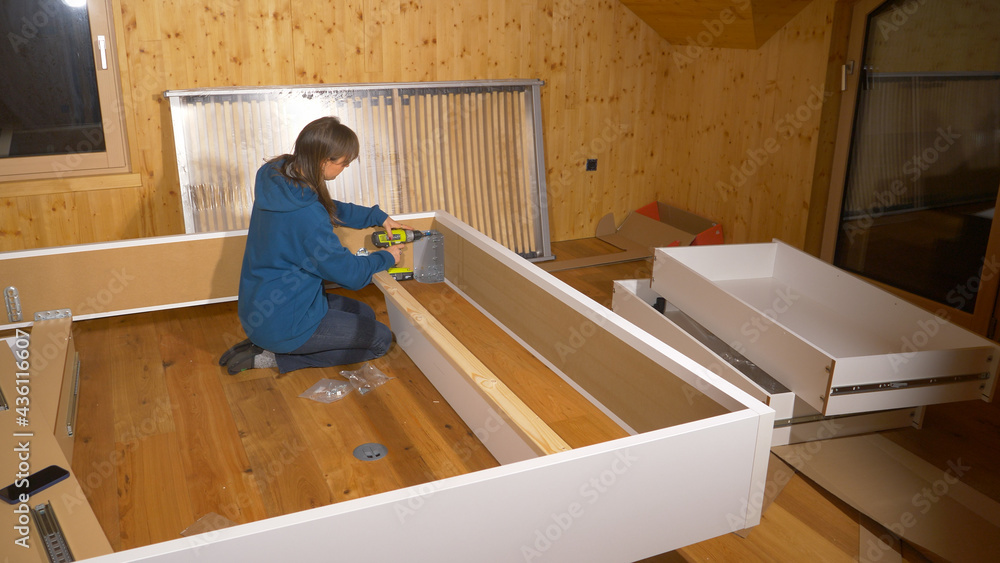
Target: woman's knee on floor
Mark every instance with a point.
(382, 341)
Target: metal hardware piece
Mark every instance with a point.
(730, 355)
(428, 258)
(783, 422)
(74, 397)
(13, 302)
(53, 314)
(845, 69)
(369, 452)
(102, 47)
(52, 534)
(887, 385)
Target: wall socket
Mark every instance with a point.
(591, 164)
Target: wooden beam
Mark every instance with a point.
(539, 436)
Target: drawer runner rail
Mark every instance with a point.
(51, 533)
(887, 385)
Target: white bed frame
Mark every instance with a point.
(692, 468)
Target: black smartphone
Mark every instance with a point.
(37, 481)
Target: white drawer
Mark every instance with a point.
(795, 421)
(839, 343)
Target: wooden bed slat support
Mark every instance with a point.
(539, 436)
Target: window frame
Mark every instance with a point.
(987, 308)
(116, 158)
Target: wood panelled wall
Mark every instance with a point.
(730, 134)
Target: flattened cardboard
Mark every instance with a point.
(926, 506)
(875, 545)
(653, 226)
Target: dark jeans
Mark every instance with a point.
(347, 334)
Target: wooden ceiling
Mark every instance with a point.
(742, 24)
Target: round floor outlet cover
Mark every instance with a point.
(369, 452)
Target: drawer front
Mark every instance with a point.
(794, 420)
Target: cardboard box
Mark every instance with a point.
(651, 226)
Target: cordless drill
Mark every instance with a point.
(381, 240)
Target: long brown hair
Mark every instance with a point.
(322, 139)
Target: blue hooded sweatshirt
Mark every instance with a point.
(291, 249)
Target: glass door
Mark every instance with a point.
(923, 165)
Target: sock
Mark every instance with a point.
(264, 360)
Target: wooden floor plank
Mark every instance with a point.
(333, 431)
(152, 500)
(95, 457)
(138, 390)
(218, 477)
(283, 467)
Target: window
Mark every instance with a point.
(60, 99)
(922, 170)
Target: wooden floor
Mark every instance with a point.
(166, 437)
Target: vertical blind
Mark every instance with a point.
(923, 140)
(472, 149)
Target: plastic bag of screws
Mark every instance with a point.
(327, 391)
(365, 378)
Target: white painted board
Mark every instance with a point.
(618, 501)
